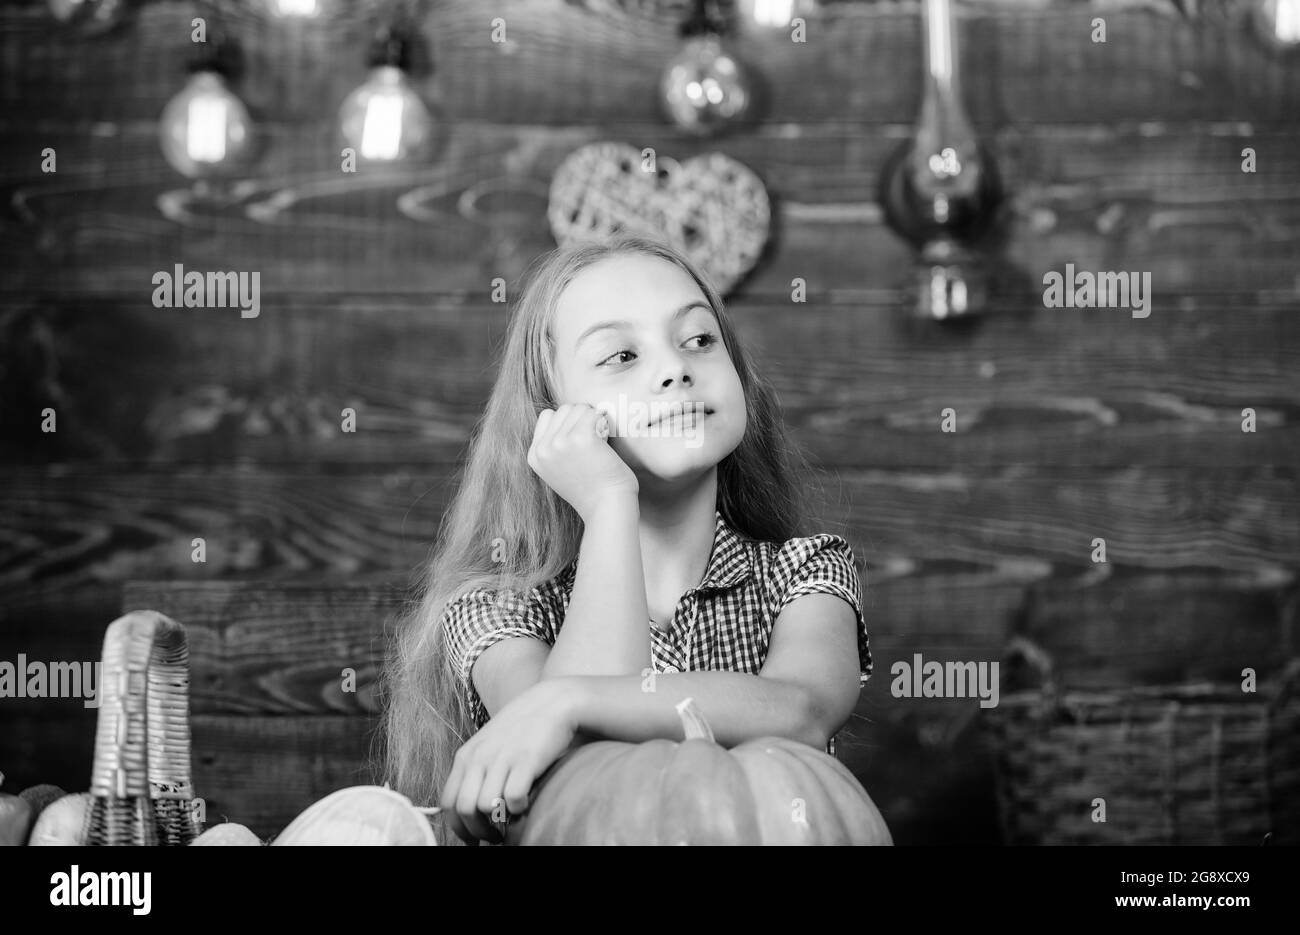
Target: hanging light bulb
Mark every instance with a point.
(89, 17)
(205, 130)
(385, 120)
(1278, 23)
(302, 10)
(772, 14)
(289, 9)
(706, 90)
(951, 282)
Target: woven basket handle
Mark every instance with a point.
(142, 741)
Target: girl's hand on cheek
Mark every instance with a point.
(573, 458)
(496, 768)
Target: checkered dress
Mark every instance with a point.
(725, 623)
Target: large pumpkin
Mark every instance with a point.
(765, 791)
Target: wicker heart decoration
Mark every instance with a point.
(711, 207)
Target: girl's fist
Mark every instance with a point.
(572, 454)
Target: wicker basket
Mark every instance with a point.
(1181, 764)
(140, 783)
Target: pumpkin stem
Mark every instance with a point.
(694, 726)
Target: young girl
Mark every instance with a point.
(625, 536)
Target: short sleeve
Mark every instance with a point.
(477, 619)
(825, 565)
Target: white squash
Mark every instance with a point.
(61, 822)
(360, 815)
(227, 834)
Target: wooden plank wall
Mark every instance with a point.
(1072, 424)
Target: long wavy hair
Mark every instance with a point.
(500, 499)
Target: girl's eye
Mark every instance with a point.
(709, 339)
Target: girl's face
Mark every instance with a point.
(636, 339)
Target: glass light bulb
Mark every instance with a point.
(1278, 22)
(771, 14)
(90, 17)
(704, 89)
(951, 282)
(385, 120)
(205, 130)
(304, 8)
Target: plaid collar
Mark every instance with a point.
(729, 563)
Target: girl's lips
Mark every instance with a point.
(693, 413)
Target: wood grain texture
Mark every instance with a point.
(263, 771)
(71, 527)
(272, 648)
(376, 294)
(1155, 629)
(1121, 196)
(279, 649)
(1067, 388)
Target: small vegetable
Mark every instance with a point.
(62, 822)
(360, 815)
(227, 834)
(16, 817)
(41, 796)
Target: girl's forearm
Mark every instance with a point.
(738, 707)
(606, 627)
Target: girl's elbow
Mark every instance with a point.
(822, 717)
(813, 725)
